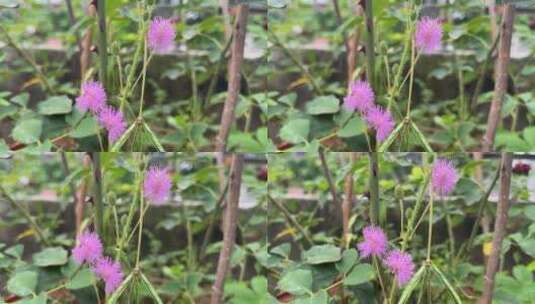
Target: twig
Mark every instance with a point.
(234, 76)
(67, 172)
(229, 229)
(482, 70)
(26, 214)
(501, 74)
(482, 207)
(85, 45)
(291, 219)
(22, 53)
(347, 202)
(499, 228)
(328, 176)
(80, 196)
(296, 61)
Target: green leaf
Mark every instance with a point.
(322, 254)
(55, 105)
(87, 127)
(53, 256)
(21, 99)
(355, 126)
(529, 136)
(27, 130)
(22, 283)
(323, 105)
(295, 131)
(296, 282)
(362, 273)
(82, 279)
(349, 258)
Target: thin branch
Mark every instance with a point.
(85, 44)
(26, 214)
(482, 207)
(328, 176)
(28, 58)
(347, 202)
(80, 196)
(500, 88)
(234, 76)
(229, 229)
(291, 219)
(499, 228)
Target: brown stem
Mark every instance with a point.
(500, 76)
(499, 228)
(347, 202)
(234, 76)
(353, 43)
(80, 196)
(85, 52)
(230, 223)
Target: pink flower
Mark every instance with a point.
(161, 35)
(113, 121)
(110, 272)
(380, 120)
(361, 97)
(88, 248)
(157, 185)
(401, 265)
(428, 35)
(443, 177)
(93, 97)
(375, 242)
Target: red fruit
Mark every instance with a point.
(262, 174)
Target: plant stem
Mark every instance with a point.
(373, 187)
(500, 88)
(26, 214)
(370, 48)
(144, 75)
(480, 213)
(292, 220)
(275, 39)
(430, 228)
(327, 174)
(499, 228)
(347, 202)
(229, 228)
(97, 193)
(102, 43)
(234, 76)
(22, 53)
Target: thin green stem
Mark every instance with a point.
(97, 194)
(430, 228)
(102, 43)
(26, 214)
